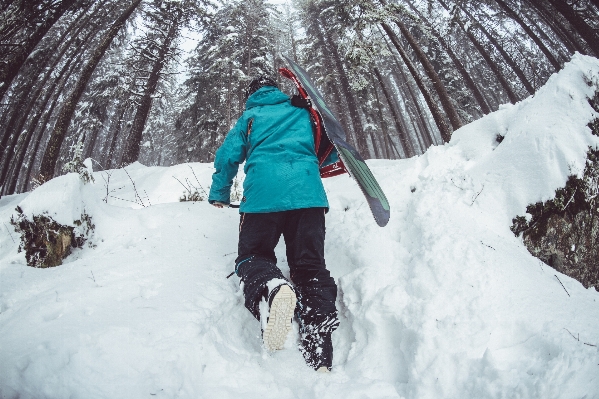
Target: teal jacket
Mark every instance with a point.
(276, 141)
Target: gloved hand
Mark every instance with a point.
(220, 204)
(299, 102)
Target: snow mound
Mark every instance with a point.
(444, 302)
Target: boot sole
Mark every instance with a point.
(279, 321)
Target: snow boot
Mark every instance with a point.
(316, 344)
(281, 306)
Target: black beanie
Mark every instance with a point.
(258, 83)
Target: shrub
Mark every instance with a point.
(193, 196)
(47, 242)
(564, 232)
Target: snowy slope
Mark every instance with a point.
(444, 302)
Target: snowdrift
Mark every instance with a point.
(444, 302)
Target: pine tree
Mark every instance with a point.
(234, 49)
(64, 118)
(155, 51)
(24, 24)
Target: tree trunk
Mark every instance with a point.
(141, 115)
(35, 67)
(493, 65)
(404, 91)
(93, 137)
(425, 131)
(248, 40)
(336, 101)
(26, 137)
(17, 112)
(444, 98)
(348, 94)
(458, 64)
(42, 127)
(578, 23)
(294, 47)
(416, 122)
(444, 129)
(479, 74)
(10, 67)
(370, 121)
(484, 53)
(563, 48)
(229, 98)
(401, 131)
(22, 113)
(508, 59)
(551, 19)
(530, 33)
(387, 142)
(386, 150)
(48, 53)
(64, 118)
(110, 155)
(9, 136)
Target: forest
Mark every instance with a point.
(161, 81)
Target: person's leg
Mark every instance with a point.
(304, 234)
(256, 262)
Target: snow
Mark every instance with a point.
(444, 302)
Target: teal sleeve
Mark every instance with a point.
(228, 157)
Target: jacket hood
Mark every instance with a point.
(267, 95)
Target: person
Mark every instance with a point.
(283, 195)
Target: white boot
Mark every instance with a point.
(282, 302)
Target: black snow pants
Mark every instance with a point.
(303, 231)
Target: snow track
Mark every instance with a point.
(444, 302)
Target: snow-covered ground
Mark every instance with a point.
(444, 302)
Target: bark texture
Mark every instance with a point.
(145, 104)
(64, 118)
(444, 128)
(9, 67)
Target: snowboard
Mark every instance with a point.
(329, 134)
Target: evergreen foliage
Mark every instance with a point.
(119, 82)
(234, 49)
(164, 83)
(76, 164)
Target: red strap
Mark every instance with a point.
(303, 94)
(336, 168)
